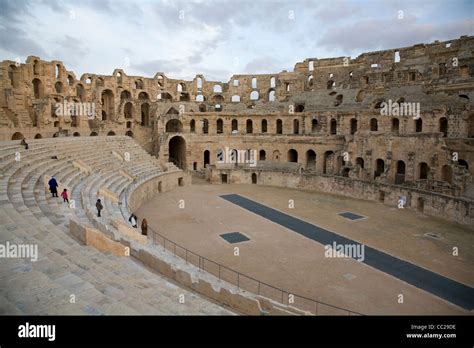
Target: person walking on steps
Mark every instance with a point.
(64, 196)
(133, 220)
(99, 207)
(53, 186)
(144, 227)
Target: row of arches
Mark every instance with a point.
(20, 136)
(315, 126)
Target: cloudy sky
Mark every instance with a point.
(219, 38)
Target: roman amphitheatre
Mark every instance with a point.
(243, 183)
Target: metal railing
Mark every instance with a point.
(244, 282)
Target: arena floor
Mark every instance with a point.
(281, 257)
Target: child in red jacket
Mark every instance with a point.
(64, 195)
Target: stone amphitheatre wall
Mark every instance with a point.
(325, 115)
(443, 206)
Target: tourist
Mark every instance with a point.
(53, 187)
(24, 143)
(144, 227)
(64, 196)
(99, 207)
(133, 220)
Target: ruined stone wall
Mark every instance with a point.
(327, 114)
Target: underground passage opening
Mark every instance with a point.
(177, 152)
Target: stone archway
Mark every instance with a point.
(177, 151)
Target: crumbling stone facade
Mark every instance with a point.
(395, 117)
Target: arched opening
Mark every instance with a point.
(195, 165)
(180, 87)
(129, 124)
(104, 116)
(271, 95)
(264, 126)
(164, 96)
(93, 134)
(400, 175)
(360, 162)
(374, 125)
(292, 155)
(217, 89)
(333, 126)
(296, 126)
(443, 126)
(299, 107)
(108, 104)
(207, 156)
(326, 163)
(145, 109)
(338, 100)
(143, 96)
(249, 127)
(192, 126)
(423, 171)
(111, 133)
(174, 126)
(220, 126)
(37, 88)
(17, 136)
(262, 155)
(35, 67)
(139, 84)
(128, 110)
(310, 159)
(418, 125)
(447, 174)
(314, 125)
(177, 152)
(38, 136)
(395, 125)
(129, 133)
(330, 84)
(205, 126)
(254, 95)
(279, 127)
(12, 75)
(125, 95)
(353, 126)
(272, 82)
(254, 178)
(76, 134)
(80, 92)
(463, 163)
(172, 111)
(379, 167)
(234, 125)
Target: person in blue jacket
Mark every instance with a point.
(53, 186)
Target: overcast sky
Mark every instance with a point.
(219, 38)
